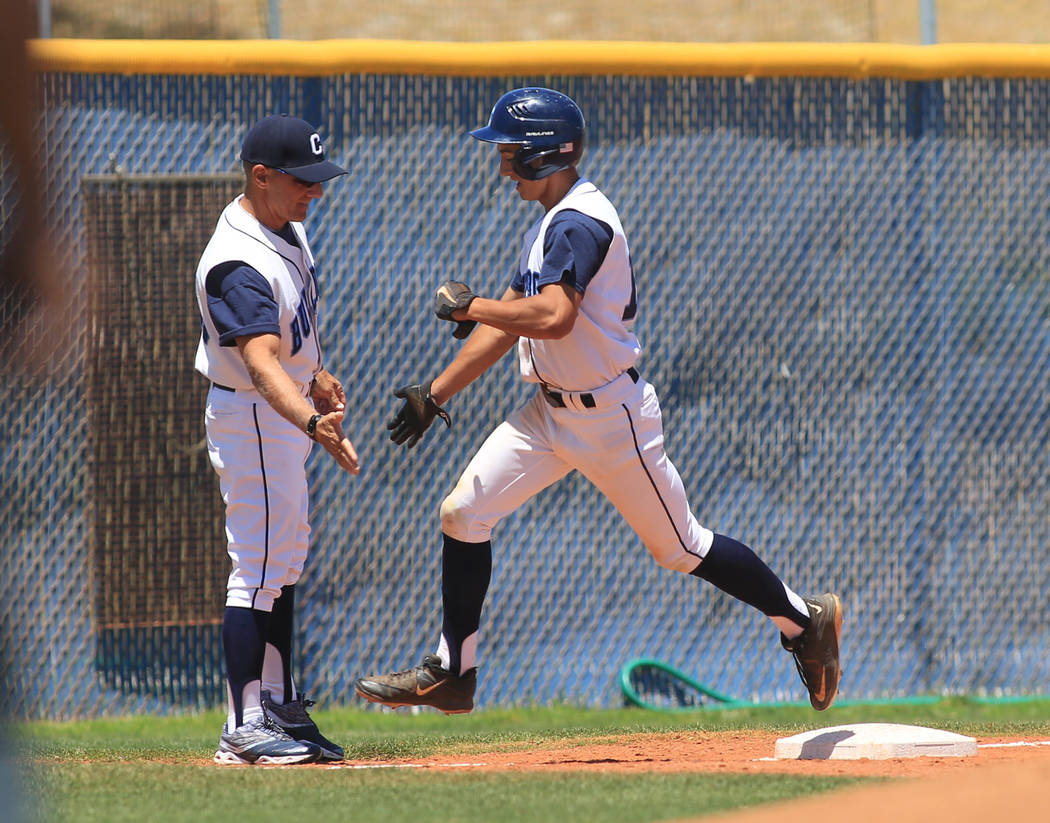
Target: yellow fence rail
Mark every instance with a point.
(562, 57)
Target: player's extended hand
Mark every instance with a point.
(329, 433)
(452, 296)
(415, 415)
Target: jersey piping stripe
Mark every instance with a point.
(302, 278)
(266, 503)
(535, 368)
(638, 451)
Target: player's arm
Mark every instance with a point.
(422, 402)
(574, 247)
(551, 314)
(261, 354)
(483, 348)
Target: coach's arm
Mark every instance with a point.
(261, 354)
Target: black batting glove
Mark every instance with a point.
(415, 415)
(452, 296)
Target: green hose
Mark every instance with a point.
(717, 700)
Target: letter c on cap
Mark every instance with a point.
(315, 144)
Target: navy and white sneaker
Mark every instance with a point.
(297, 724)
(264, 743)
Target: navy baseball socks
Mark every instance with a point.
(269, 734)
(738, 571)
(291, 716)
(465, 572)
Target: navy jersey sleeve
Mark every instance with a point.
(517, 280)
(574, 248)
(241, 302)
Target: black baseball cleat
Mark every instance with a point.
(425, 685)
(264, 743)
(816, 650)
(297, 724)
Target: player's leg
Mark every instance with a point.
(512, 465)
(466, 567)
(282, 701)
(646, 488)
(619, 448)
(262, 478)
(809, 627)
(515, 463)
(278, 679)
(248, 454)
(244, 645)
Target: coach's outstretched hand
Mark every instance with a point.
(329, 433)
(415, 415)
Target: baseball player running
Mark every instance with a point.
(270, 399)
(570, 309)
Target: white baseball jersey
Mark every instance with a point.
(287, 268)
(594, 413)
(251, 280)
(602, 344)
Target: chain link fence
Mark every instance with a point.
(844, 303)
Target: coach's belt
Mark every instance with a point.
(303, 390)
(586, 399)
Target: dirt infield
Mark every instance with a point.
(1001, 793)
(1006, 780)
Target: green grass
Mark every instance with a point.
(147, 768)
(112, 792)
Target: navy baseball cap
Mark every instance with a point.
(291, 145)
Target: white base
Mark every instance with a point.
(874, 741)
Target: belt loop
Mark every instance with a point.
(553, 398)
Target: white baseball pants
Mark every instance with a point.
(261, 461)
(618, 445)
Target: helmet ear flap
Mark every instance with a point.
(552, 159)
(521, 162)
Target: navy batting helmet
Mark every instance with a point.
(548, 125)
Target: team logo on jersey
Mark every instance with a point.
(531, 286)
(305, 316)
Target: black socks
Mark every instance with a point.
(244, 634)
(738, 571)
(465, 572)
(280, 634)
